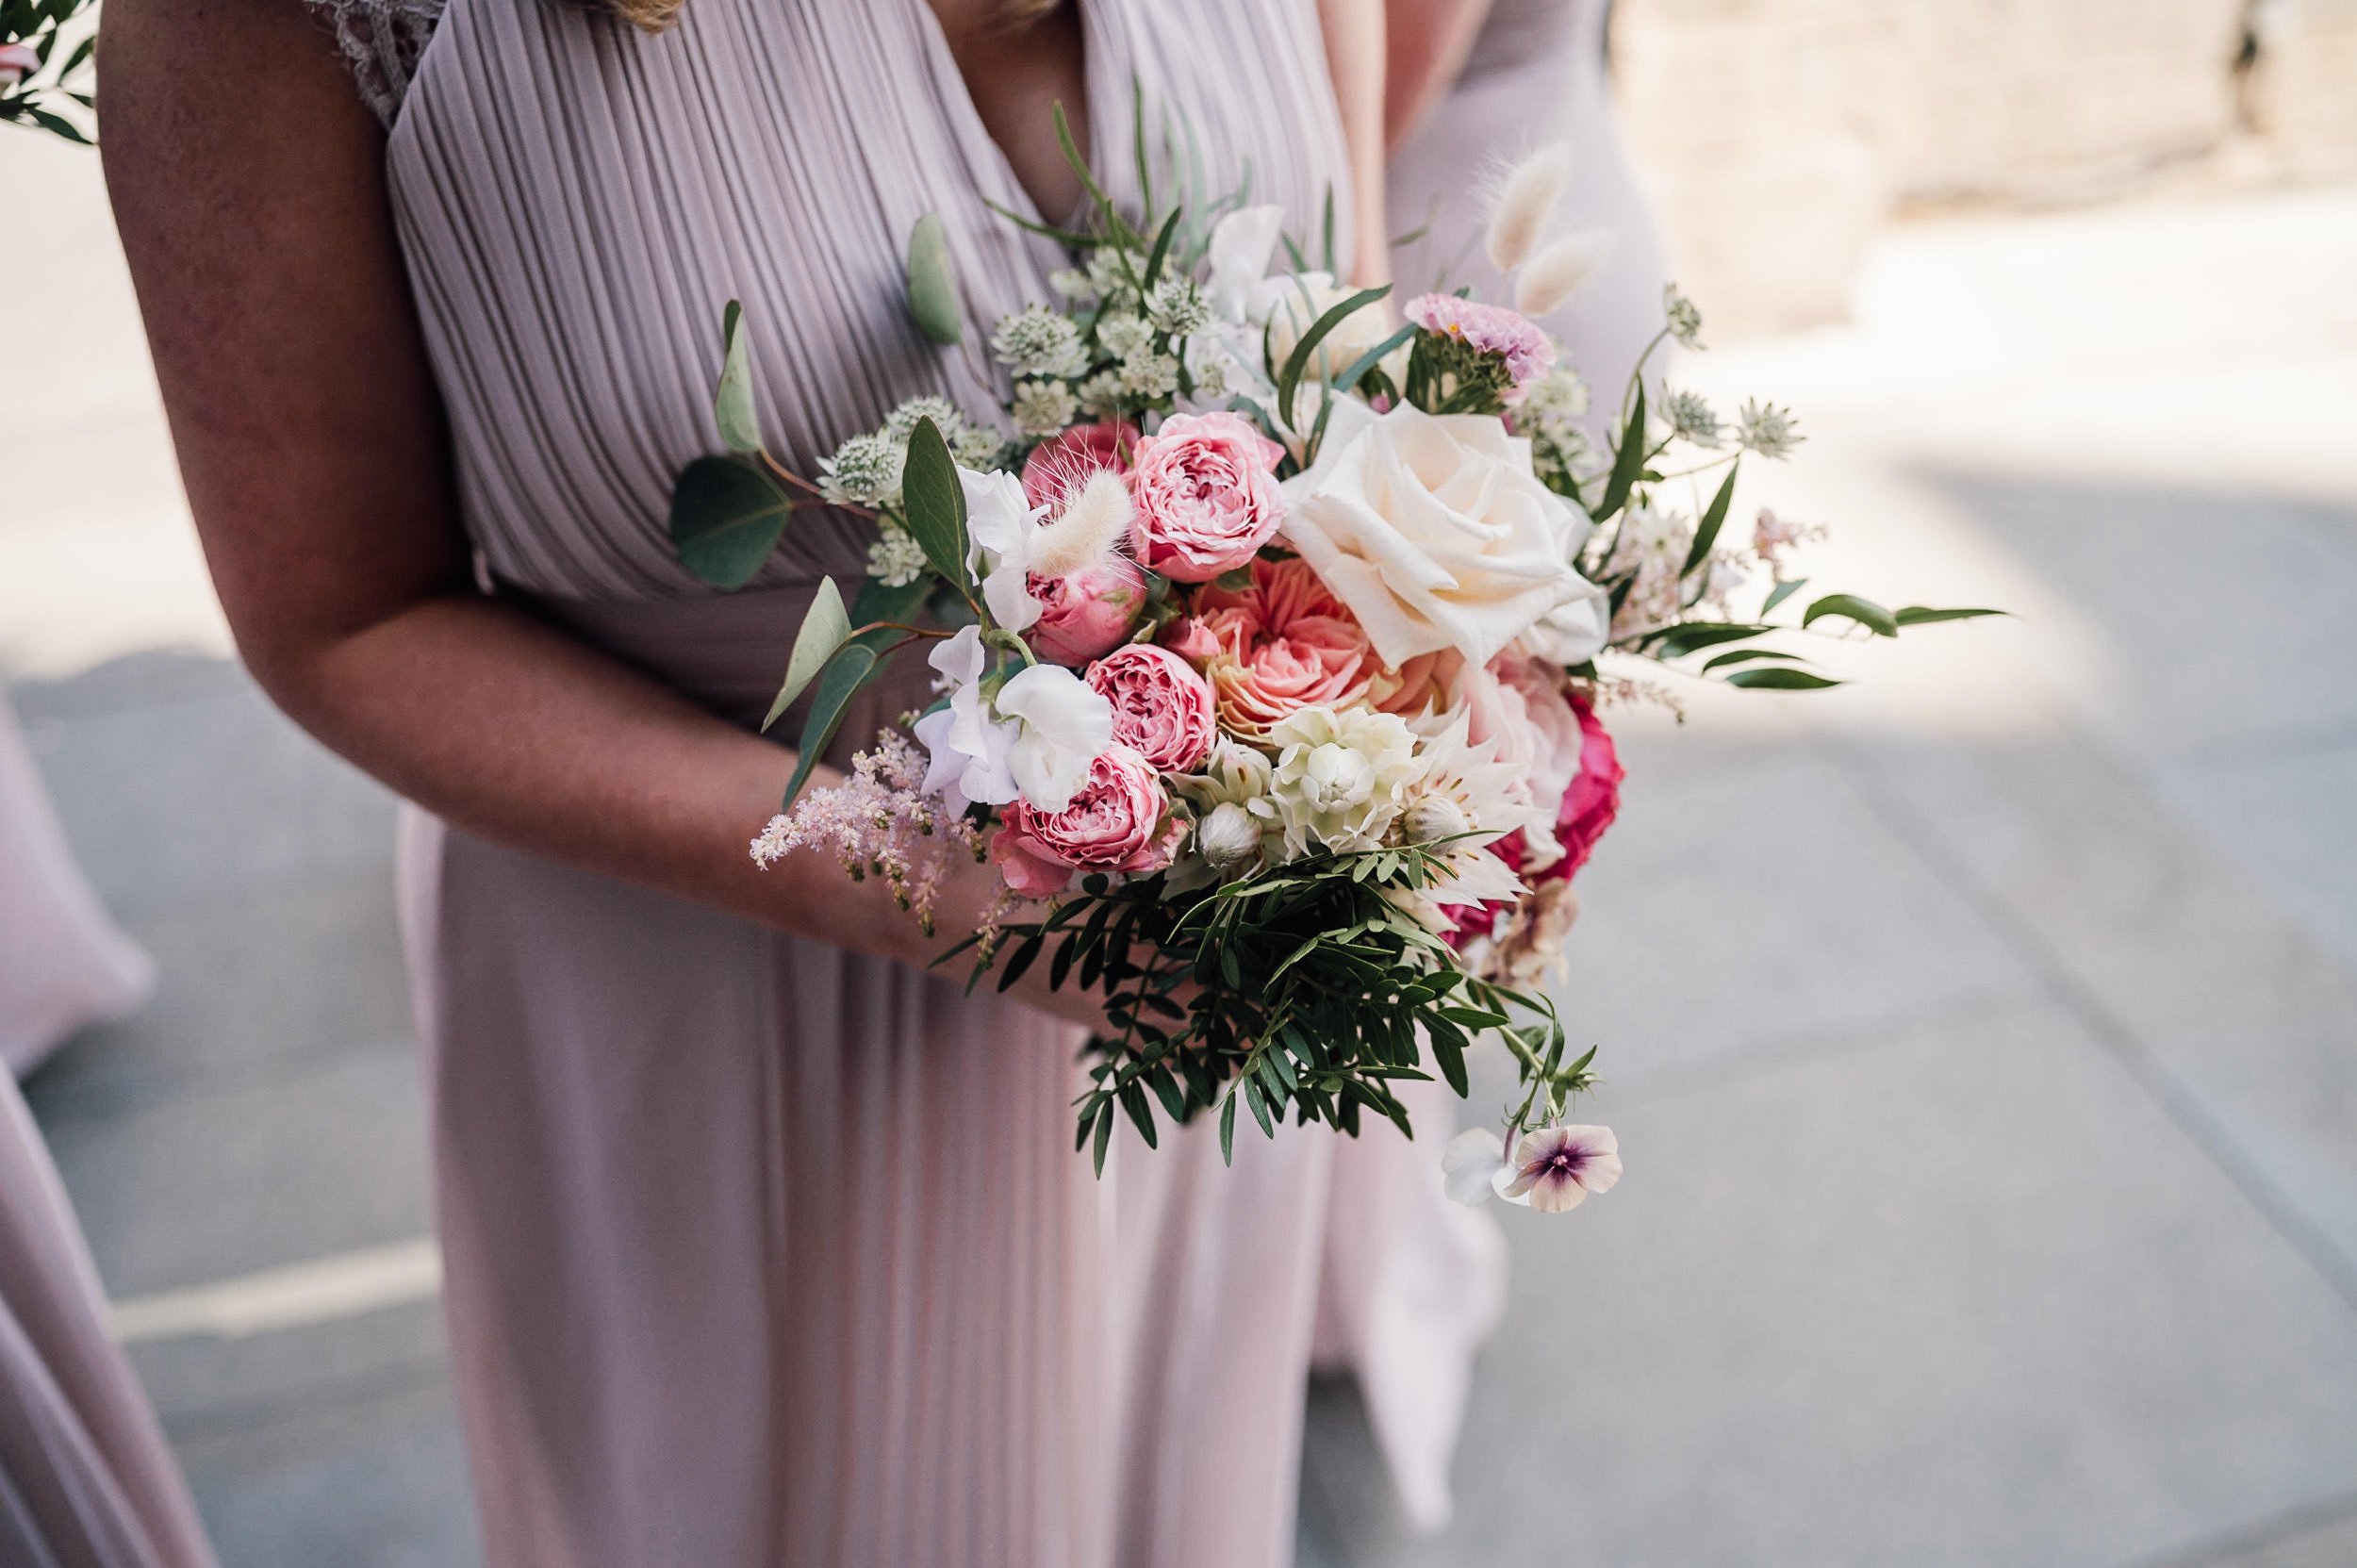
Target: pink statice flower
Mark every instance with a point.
(1514, 338)
(879, 822)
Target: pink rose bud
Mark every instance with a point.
(1190, 638)
(1056, 469)
(1087, 613)
(1120, 821)
(1206, 494)
(1162, 707)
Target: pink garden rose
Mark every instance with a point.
(1056, 469)
(1162, 707)
(1084, 613)
(1120, 821)
(1206, 494)
(1284, 644)
(1190, 638)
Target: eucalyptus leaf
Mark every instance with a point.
(727, 513)
(933, 503)
(853, 666)
(825, 628)
(1851, 607)
(934, 301)
(733, 402)
(1782, 593)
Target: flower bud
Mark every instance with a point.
(1229, 838)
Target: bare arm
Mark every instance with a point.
(311, 442)
(1427, 41)
(1353, 55)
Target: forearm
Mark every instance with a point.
(1354, 57)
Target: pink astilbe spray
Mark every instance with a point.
(877, 821)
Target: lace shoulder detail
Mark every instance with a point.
(381, 41)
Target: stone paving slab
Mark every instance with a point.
(1967, 1298)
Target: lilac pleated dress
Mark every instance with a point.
(761, 1253)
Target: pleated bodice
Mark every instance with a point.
(577, 203)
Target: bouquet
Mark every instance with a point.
(1270, 629)
(46, 48)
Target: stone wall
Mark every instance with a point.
(1778, 136)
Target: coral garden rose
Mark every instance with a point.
(1206, 494)
(1084, 614)
(1283, 644)
(1118, 820)
(1057, 468)
(1162, 707)
(1435, 531)
(1190, 638)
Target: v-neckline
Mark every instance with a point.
(1093, 67)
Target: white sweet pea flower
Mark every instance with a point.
(1552, 1169)
(1238, 253)
(1062, 724)
(1001, 526)
(1437, 533)
(969, 749)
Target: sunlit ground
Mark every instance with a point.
(1983, 1038)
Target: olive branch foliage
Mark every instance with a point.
(54, 96)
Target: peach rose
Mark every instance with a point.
(1284, 644)
(1162, 707)
(1056, 469)
(1206, 494)
(1120, 821)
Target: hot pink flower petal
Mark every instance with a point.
(1056, 469)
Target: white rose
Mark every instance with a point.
(1437, 533)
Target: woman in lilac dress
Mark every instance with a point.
(765, 1246)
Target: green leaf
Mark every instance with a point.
(1747, 655)
(934, 302)
(1162, 248)
(854, 664)
(933, 503)
(1681, 640)
(1916, 615)
(727, 513)
(1851, 607)
(732, 403)
(1714, 518)
(824, 629)
(1627, 462)
(1298, 361)
(1259, 1103)
(1104, 1135)
(1373, 356)
(1780, 678)
(1227, 1130)
(1782, 591)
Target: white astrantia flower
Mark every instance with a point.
(1003, 525)
(1062, 725)
(1552, 1170)
(1043, 407)
(978, 447)
(1148, 376)
(1691, 418)
(902, 421)
(1241, 246)
(1341, 778)
(1100, 394)
(1036, 340)
(895, 559)
(1073, 284)
(1766, 430)
(1684, 322)
(1123, 336)
(967, 746)
(864, 470)
(1177, 306)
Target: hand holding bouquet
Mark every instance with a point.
(1267, 654)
